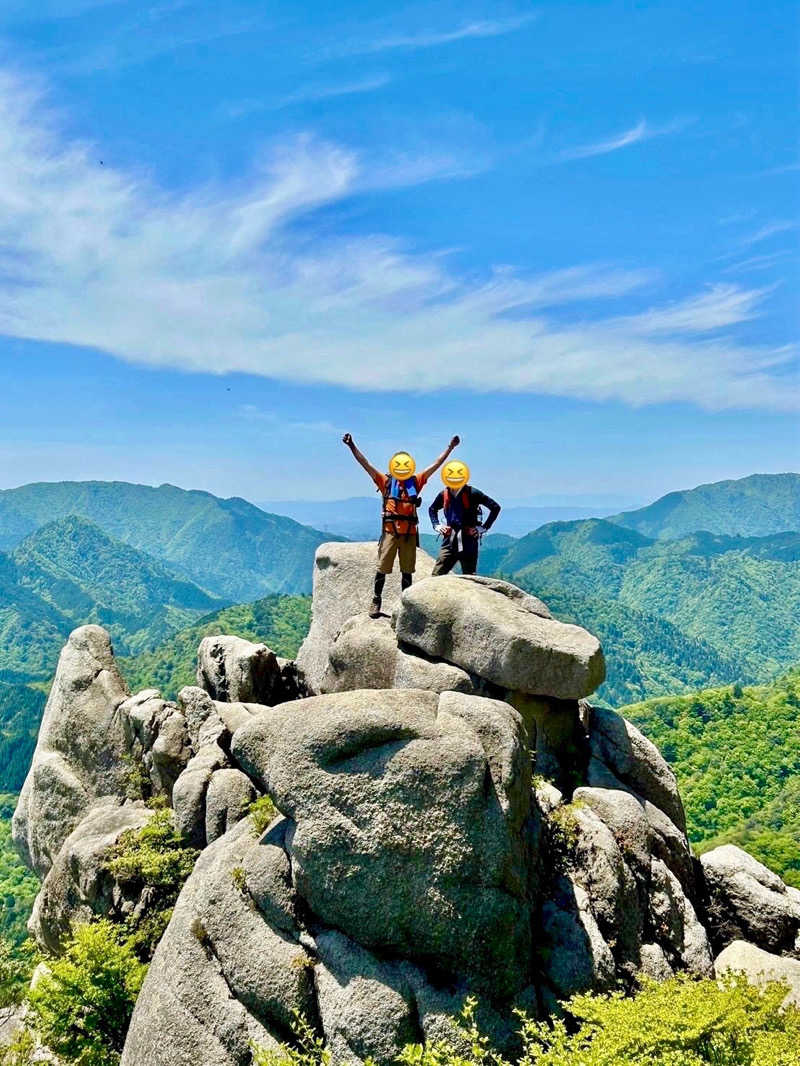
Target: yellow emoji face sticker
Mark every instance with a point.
(402, 466)
(455, 474)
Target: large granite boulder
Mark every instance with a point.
(495, 631)
(234, 670)
(343, 579)
(415, 802)
(746, 901)
(79, 886)
(82, 752)
(398, 877)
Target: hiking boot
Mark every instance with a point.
(375, 608)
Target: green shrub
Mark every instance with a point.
(155, 855)
(82, 1005)
(17, 963)
(680, 1022)
(262, 811)
(158, 858)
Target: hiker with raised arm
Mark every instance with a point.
(401, 490)
(463, 524)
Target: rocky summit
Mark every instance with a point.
(452, 815)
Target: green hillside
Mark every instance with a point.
(754, 506)
(229, 547)
(281, 622)
(68, 573)
(21, 708)
(18, 886)
(737, 595)
(736, 753)
(645, 655)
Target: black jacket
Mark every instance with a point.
(470, 516)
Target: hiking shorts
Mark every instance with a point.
(393, 545)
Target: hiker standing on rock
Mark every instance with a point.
(400, 489)
(462, 528)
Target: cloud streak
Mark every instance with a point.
(220, 280)
(435, 38)
(642, 131)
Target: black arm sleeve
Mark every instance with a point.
(435, 508)
(491, 505)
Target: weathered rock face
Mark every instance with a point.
(79, 886)
(234, 670)
(363, 655)
(158, 737)
(746, 901)
(82, 753)
(501, 637)
(387, 793)
(223, 976)
(416, 803)
(343, 575)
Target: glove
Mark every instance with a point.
(443, 531)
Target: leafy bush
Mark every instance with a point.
(262, 811)
(82, 1005)
(158, 858)
(680, 1022)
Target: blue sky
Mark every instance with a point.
(231, 231)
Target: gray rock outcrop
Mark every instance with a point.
(363, 655)
(82, 753)
(746, 901)
(342, 585)
(414, 858)
(233, 670)
(79, 885)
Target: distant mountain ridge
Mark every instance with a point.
(69, 572)
(740, 595)
(754, 506)
(229, 547)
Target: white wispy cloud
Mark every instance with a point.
(218, 280)
(433, 38)
(306, 94)
(771, 229)
(642, 131)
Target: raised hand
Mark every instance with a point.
(454, 443)
(348, 440)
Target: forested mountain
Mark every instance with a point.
(754, 506)
(68, 573)
(229, 547)
(737, 595)
(736, 752)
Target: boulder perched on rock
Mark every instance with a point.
(489, 629)
(82, 753)
(342, 588)
(79, 885)
(746, 901)
(233, 670)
